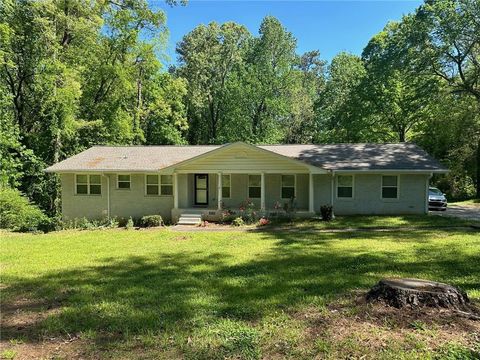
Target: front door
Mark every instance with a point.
(201, 189)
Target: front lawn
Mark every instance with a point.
(168, 294)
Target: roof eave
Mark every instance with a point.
(405, 171)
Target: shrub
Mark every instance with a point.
(238, 221)
(112, 223)
(327, 212)
(227, 216)
(263, 221)
(85, 224)
(151, 221)
(18, 214)
(129, 224)
(248, 212)
(90, 224)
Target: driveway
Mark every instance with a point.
(462, 212)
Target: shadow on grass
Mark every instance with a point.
(376, 221)
(186, 291)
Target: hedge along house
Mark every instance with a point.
(200, 181)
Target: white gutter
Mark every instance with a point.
(108, 195)
(331, 193)
(392, 171)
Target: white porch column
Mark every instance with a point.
(311, 207)
(175, 189)
(262, 192)
(219, 190)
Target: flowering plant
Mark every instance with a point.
(263, 221)
(277, 205)
(248, 212)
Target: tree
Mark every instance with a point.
(67, 69)
(339, 109)
(397, 98)
(165, 117)
(208, 56)
(269, 80)
(301, 126)
(446, 37)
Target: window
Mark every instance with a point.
(166, 185)
(159, 185)
(123, 181)
(288, 186)
(389, 187)
(254, 186)
(226, 185)
(345, 186)
(88, 184)
(152, 185)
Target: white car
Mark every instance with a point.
(436, 199)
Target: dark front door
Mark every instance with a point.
(201, 189)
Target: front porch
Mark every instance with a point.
(209, 194)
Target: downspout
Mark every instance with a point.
(108, 195)
(331, 193)
(427, 185)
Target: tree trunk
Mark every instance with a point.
(478, 169)
(418, 293)
(477, 182)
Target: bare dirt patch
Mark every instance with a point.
(353, 327)
(22, 338)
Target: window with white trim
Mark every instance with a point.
(226, 186)
(159, 185)
(166, 185)
(254, 186)
(345, 186)
(123, 181)
(88, 184)
(390, 187)
(288, 186)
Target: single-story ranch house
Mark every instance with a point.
(187, 181)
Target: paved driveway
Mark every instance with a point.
(463, 212)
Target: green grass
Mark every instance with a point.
(219, 294)
(471, 202)
(382, 222)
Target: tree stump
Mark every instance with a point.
(418, 293)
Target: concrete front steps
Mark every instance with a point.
(190, 219)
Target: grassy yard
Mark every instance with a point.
(471, 202)
(255, 294)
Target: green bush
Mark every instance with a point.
(238, 221)
(90, 224)
(151, 221)
(18, 214)
(129, 225)
(327, 212)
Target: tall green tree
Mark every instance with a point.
(269, 80)
(445, 35)
(73, 73)
(339, 108)
(396, 97)
(309, 82)
(208, 57)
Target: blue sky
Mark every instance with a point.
(328, 26)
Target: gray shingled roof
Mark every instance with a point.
(402, 156)
(129, 158)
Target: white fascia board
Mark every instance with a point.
(391, 171)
